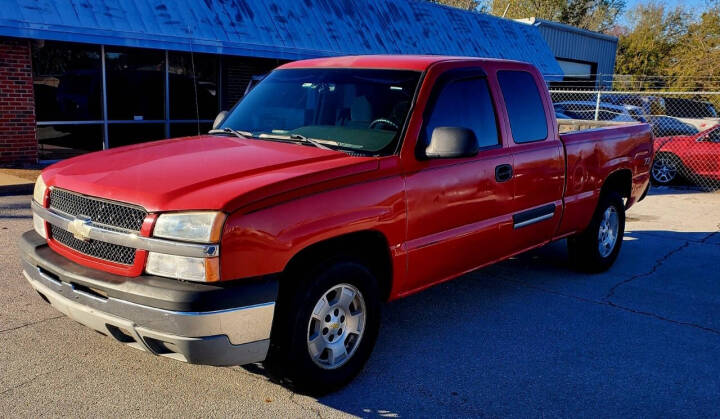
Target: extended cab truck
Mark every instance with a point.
(334, 185)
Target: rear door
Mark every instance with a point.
(538, 160)
(455, 206)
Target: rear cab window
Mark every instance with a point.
(525, 109)
(465, 103)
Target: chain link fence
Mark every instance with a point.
(686, 126)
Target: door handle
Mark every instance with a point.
(503, 173)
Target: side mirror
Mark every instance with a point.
(219, 119)
(452, 143)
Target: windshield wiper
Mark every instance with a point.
(308, 140)
(228, 130)
(300, 138)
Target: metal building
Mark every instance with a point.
(96, 74)
(587, 58)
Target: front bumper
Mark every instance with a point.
(196, 323)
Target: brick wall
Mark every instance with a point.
(18, 144)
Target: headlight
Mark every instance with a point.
(199, 226)
(39, 191)
(182, 267)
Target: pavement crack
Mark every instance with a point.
(26, 382)
(303, 407)
(30, 324)
(615, 306)
(658, 262)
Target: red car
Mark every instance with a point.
(334, 185)
(687, 156)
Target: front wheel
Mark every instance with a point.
(327, 328)
(596, 248)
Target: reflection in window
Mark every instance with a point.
(524, 106)
(476, 113)
(135, 84)
(189, 74)
(57, 142)
(67, 81)
(126, 134)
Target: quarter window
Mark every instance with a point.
(524, 106)
(467, 104)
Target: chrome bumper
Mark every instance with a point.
(229, 336)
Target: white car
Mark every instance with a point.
(607, 112)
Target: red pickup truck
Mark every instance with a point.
(334, 185)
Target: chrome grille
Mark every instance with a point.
(102, 213)
(97, 249)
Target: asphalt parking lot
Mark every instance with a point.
(525, 338)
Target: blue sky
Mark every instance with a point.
(690, 5)
(699, 4)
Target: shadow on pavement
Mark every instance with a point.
(487, 344)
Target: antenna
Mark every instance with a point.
(194, 77)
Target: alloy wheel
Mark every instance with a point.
(608, 232)
(336, 326)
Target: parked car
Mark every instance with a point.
(649, 105)
(699, 113)
(605, 112)
(334, 185)
(687, 156)
(665, 126)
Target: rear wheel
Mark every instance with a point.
(326, 327)
(596, 248)
(665, 169)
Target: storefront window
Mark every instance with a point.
(133, 133)
(135, 84)
(189, 129)
(193, 82)
(56, 142)
(67, 80)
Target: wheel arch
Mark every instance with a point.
(619, 181)
(370, 247)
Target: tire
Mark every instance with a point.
(596, 248)
(666, 169)
(302, 342)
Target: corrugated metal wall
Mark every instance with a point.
(577, 44)
(279, 29)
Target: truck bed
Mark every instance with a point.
(601, 149)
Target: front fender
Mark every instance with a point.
(263, 242)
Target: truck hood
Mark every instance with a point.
(205, 172)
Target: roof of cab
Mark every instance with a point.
(395, 62)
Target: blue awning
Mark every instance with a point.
(284, 29)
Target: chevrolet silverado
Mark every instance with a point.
(335, 184)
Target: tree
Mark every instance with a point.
(646, 48)
(476, 5)
(694, 62)
(596, 15)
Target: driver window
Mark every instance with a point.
(465, 103)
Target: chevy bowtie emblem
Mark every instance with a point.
(80, 228)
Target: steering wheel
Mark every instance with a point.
(383, 121)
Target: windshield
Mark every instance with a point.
(355, 109)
